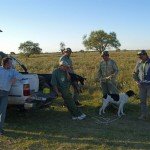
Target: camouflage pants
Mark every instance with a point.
(67, 96)
(75, 94)
(109, 87)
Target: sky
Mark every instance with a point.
(49, 22)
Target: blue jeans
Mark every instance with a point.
(3, 107)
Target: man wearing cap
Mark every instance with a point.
(107, 74)
(61, 82)
(8, 77)
(142, 77)
(66, 57)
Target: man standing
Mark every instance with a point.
(61, 82)
(8, 76)
(66, 57)
(142, 77)
(107, 74)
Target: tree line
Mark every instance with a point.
(96, 40)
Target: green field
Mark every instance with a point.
(52, 128)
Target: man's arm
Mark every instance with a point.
(54, 83)
(99, 73)
(16, 76)
(136, 73)
(57, 91)
(116, 70)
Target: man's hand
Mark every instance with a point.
(108, 78)
(68, 75)
(138, 83)
(57, 91)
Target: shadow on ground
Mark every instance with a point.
(55, 125)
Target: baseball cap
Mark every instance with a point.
(68, 50)
(142, 52)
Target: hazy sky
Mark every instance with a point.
(49, 22)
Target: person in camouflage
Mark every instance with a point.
(107, 74)
(66, 57)
(61, 82)
(142, 77)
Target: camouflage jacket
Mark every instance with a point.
(68, 60)
(142, 71)
(108, 70)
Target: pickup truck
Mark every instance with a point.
(26, 93)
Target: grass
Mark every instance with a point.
(52, 128)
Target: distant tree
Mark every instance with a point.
(2, 55)
(1, 31)
(12, 53)
(118, 50)
(62, 46)
(82, 51)
(100, 40)
(29, 48)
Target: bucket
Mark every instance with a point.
(46, 90)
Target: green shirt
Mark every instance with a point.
(59, 79)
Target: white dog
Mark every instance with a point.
(119, 99)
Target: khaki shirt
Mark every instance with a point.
(107, 69)
(142, 71)
(68, 60)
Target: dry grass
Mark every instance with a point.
(53, 129)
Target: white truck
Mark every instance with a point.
(25, 94)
